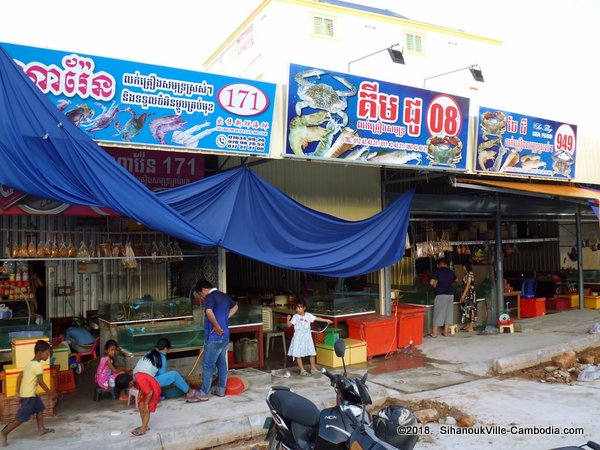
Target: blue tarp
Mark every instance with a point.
(43, 154)
(249, 216)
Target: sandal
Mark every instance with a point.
(304, 373)
(429, 335)
(138, 432)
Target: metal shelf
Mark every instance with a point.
(504, 241)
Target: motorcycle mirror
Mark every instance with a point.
(340, 348)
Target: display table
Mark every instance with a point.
(336, 319)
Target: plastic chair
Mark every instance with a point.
(269, 333)
(93, 351)
(528, 286)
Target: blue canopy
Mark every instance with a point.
(245, 214)
(43, 154)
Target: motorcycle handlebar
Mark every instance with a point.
(328, 374)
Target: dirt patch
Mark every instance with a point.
(444, 410)
(547, 372)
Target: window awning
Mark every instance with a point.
(545, 189)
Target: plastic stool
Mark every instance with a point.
(510, 327)
(272, 335)
(133, 392)
(99, 391)
(452, 328)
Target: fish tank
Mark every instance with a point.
(146, 308)
(22, 327)
(246, 314)
(342, 304)
(142, 337)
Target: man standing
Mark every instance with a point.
(219, 307)
(443, 312)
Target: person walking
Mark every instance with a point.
(443, 313)
(219, 308)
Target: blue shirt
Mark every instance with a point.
(445, 277)
(80, 335)
(220, 303)
(145, 365)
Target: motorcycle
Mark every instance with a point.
(589, 444)
(297, 424)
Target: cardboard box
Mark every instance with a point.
(11, 374)
(22, 350)
(592, 302)
(61, 357)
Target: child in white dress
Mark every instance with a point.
(302, 342)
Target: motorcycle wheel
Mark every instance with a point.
(273, 444)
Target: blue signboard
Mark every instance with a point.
(335, 116)
(144, 105)
(511, 143)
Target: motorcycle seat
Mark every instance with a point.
(295, 408)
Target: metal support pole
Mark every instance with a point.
(499, 268)
(385, 293)
(579, 255)
(222, 269)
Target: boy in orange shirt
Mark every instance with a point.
(27, 384)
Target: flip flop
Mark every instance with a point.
(304, 373)
(46, 431)
(138, 432)
(429, 335)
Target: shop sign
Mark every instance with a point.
(153, 106)
(342, 117)
(160, 170)
(157, 170)
(511, 143)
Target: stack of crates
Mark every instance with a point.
(22, 353)
(66, 376)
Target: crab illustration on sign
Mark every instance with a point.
(445, 150)
(323, 96)
(133, 126)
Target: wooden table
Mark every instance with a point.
(517, 295)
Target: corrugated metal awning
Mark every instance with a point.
(544, 189)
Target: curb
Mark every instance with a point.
(534, 357)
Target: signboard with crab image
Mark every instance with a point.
(149, 106)
(510, 143)
(341, 117)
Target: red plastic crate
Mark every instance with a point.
(410, 324)
(558, 303)
(378, 331)
(533, 307)
(66, 382)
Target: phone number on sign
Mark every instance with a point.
(512, 430)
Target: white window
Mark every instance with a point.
(414, 43)
(323, 26)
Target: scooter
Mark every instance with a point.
(588, 444)
(297, 424)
